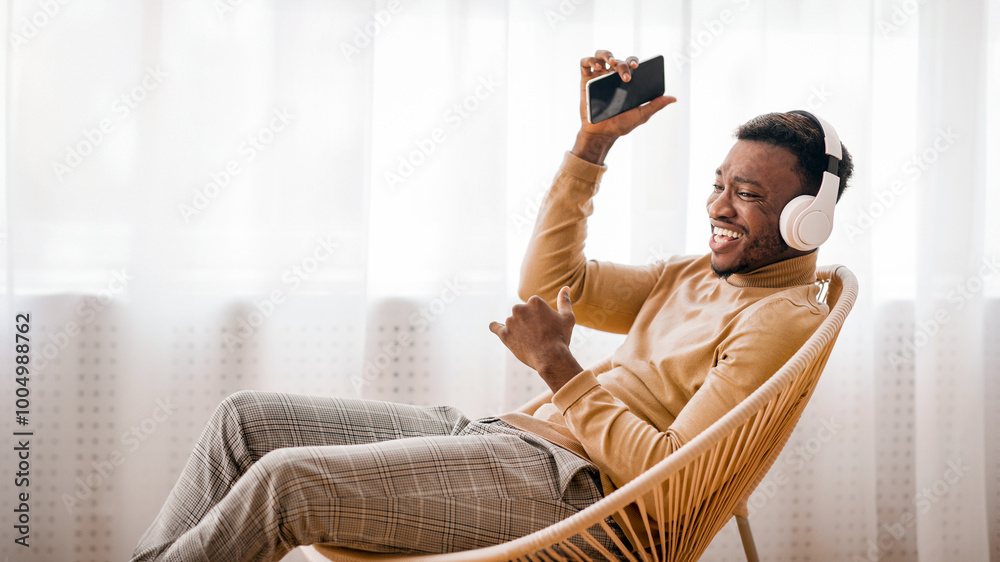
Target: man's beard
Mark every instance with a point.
(761, 250)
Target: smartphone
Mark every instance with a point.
(608, 96)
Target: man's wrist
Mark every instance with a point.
(558, 372)
(593, 147)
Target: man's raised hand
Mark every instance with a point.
(595, 139)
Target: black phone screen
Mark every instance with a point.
(608, 96)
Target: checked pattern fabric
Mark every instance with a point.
(273, 471)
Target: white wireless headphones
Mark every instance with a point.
(807, 221)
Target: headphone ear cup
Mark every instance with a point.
(788, 223)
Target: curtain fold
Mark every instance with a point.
(950, 370)
(334, 197)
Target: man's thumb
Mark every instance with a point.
(563, 302)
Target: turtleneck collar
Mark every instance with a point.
(786, 273)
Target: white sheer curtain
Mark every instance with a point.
(204, 196)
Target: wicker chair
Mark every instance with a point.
(690, 495)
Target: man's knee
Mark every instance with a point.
(232, 413)
(240, 399)
(286, 474)
(237, 404)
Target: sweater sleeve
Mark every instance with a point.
(606, 296)
(624, 446)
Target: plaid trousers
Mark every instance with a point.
(273, 471)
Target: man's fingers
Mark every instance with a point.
(603, 60)
(498, 329)
(605, 56)
(624, 67)
(593, 66)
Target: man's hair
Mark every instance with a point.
(804, 138)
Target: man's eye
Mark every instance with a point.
(747, 195)
(717, 187)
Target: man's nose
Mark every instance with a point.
(720, 204)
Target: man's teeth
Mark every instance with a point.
(723, 232)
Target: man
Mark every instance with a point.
(273, 471)
(703, 332)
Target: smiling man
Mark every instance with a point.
(744, 218)
(776, 159)
(273, 470)
(703, 332)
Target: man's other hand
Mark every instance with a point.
(595, 139)
(539, 336)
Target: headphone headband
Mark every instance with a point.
(830, 137)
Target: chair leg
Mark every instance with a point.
(748, 546)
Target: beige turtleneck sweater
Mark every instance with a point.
(697, 345)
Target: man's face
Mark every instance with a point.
(752, 186)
